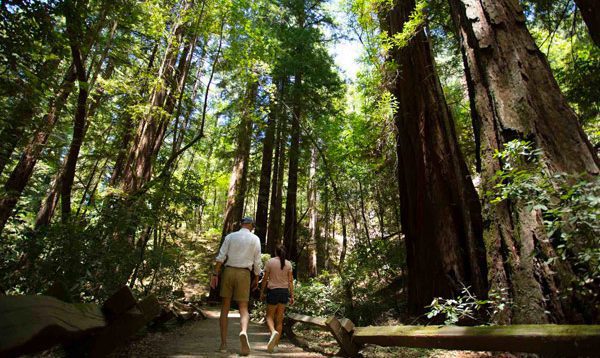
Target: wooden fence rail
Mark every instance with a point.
(551, 340)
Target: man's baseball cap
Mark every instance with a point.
(247, 220)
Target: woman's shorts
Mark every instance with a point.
(278, 295)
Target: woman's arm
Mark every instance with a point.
(291, 286)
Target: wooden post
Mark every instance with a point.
(119, 303)
(343, 336)
(123, 327)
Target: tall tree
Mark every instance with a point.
(75, 32)
(590, 12)
(291, 220)
(274, 229)
(266, 167)
(440, 211)
(238, 181)
(152, 127)
(313, 215)
(514, 95)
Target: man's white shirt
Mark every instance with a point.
(242, 250)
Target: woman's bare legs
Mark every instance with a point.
(271, 317)
(280, 310)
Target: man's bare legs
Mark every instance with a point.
(225, 304)
(244, 319)
(244, 316)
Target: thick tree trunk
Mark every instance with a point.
(138, 167)
(313, 214)
(274, 228)
(24, 112)
(323, 240)
(79, 124)
(590, 11)
(238, 181)
(48, 207)
(127, 134)
(291, 224)
(441, 214)
(513, 95)
(264, 185)
(22, 172)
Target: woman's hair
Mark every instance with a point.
(280, 251)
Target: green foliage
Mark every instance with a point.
(319, 296)
(467, 307)
(570, 206)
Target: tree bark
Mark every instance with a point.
(19, 177)
(313, 214)
(274, 228)
(48, 207)
(24, 112)
(265, 177)
(291, 224)
(127, 134)
(138, 167)
(440, 211)
(74, 29)
(323, 239)
(238, 181)
(590, 12)
(513, 95)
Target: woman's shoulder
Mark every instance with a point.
(273, 261)
(288, 263)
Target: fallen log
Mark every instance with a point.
(31, 324)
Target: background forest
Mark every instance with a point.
(453, 177)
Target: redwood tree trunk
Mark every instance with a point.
(238, 181)
(126, 133)
(78, 124)
(264, 186)
(441, 214)
(48, 207)
(274, 228)
(313, 213)
(138, 167)
(514, 96)
(590, 11)
(22, 172)
(291, 224)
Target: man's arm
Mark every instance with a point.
(257, 264)
(214, 279)
(257, 260)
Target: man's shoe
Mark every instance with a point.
(245, 344)
(273, 341)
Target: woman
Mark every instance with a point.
(280, 283)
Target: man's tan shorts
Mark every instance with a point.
(236, 283)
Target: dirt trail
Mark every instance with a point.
(201, 339)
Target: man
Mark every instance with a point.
(240, 252)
